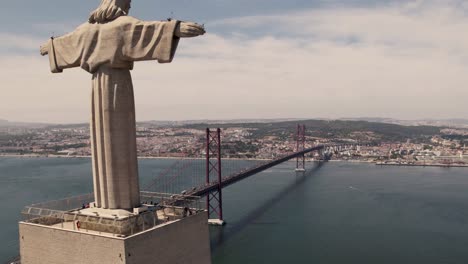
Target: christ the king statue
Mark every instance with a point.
(107, 46)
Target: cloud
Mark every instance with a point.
(11, 43)
(400, 60)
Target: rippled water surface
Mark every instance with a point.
(334, 213)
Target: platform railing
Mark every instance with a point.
(66, 214)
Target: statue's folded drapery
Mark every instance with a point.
(118, 44)
(108, 52)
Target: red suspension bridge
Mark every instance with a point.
(207, 177)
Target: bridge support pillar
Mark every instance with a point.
(214, 199)
(322, 154)
(300, 141)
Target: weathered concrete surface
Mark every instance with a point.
(45, 245)
(185, 241)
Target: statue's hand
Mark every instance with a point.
(45, 48)
(189, 30)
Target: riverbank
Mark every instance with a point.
(164, 158)
(140, 157)
(423, 165)
(188, 158)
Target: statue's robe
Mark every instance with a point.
(108, 51)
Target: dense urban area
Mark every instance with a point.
(379, 142)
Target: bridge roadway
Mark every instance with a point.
(204, 190)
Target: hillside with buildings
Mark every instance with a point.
(261, 140)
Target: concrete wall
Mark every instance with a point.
(184, 242)
(44, 245)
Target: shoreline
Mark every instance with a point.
(139, 157)
(424, 165)
(155, 157)
(31, 156)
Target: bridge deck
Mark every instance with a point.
(202, 191)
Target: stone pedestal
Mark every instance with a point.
(216, 222)
(181, 241)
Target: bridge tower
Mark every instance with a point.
(300, 141)
(214, 199)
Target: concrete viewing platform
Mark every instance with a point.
(216, 222)
(153, 234)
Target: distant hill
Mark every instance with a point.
(5, 123)
(207, 121)
(460, 123)
(60, 126)
(456, 123)
(373, 129)
(338, 129)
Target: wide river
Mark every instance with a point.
(335, 213)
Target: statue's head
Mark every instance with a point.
(109, 10)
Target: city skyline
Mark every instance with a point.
(260, 59)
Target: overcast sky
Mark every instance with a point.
(260, 59)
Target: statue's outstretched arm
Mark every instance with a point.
(189, 30)
(45, 48)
